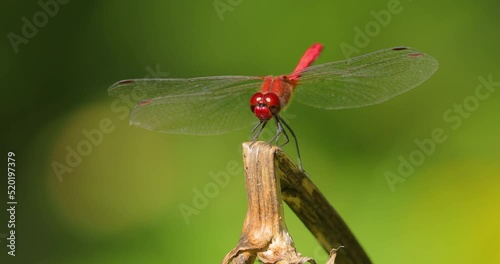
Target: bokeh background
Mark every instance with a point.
(121, 202)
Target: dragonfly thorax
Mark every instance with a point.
(265, 106)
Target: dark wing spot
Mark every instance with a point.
(399, 48)
(415, 55)
(145, 102)
(126, 81)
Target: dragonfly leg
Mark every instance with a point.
(261, 124)
(280, 131)
(282, 121)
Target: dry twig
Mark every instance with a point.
(269, 175)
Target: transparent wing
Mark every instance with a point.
(207, 105)
(364, 80)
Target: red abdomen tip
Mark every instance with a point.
(307, 59)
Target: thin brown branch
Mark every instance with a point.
(271, 176)
(314, 210)
(264, 233)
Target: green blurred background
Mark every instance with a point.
(120, 203)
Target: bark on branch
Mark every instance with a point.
(271, 177)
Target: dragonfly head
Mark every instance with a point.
(265, 106)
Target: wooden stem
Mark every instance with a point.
(269, 175)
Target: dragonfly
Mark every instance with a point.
(219, 104)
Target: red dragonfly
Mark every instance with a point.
(218, 104)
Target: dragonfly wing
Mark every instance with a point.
(140, 89)
(364, 80)
(211, 105)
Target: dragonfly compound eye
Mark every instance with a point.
(273, 102)
(265, 106)
(257, 99)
